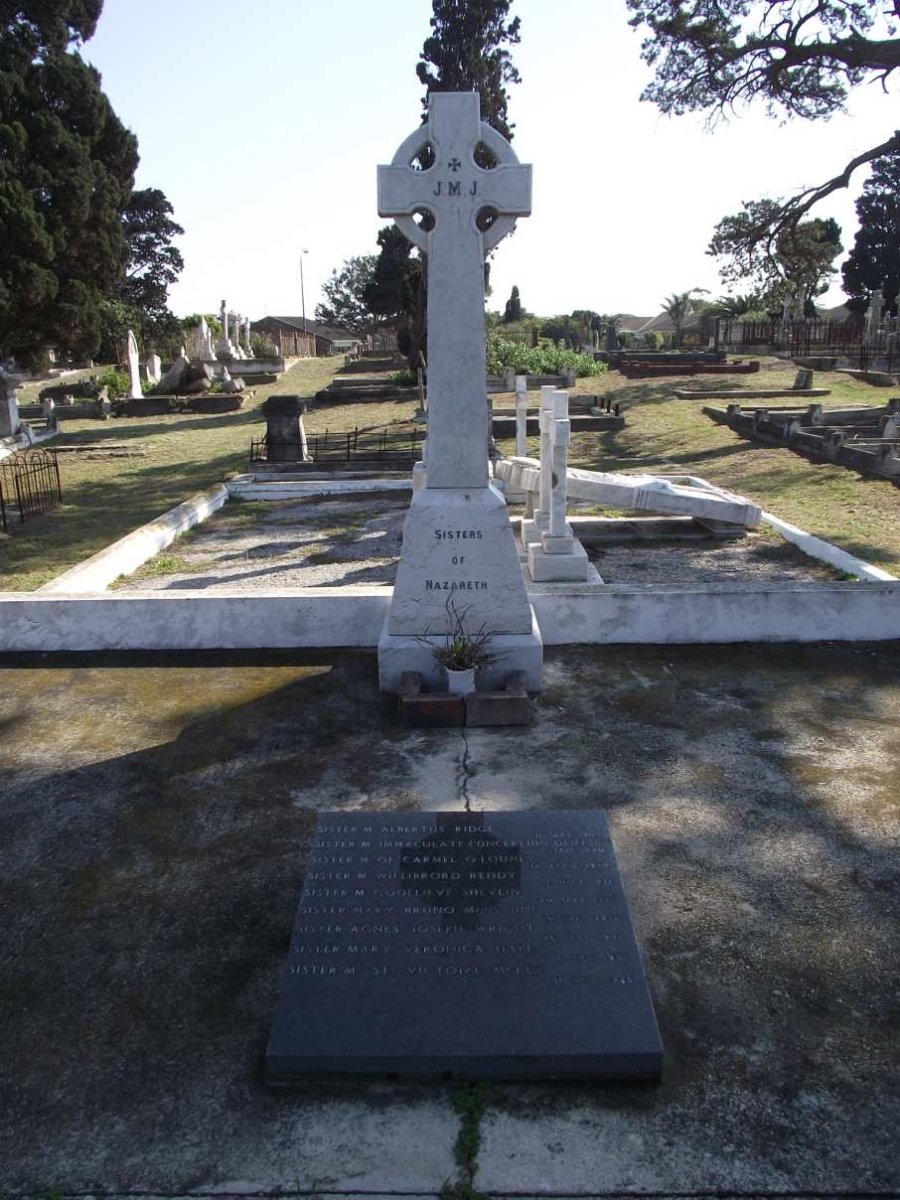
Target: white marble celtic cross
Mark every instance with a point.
(456, 192)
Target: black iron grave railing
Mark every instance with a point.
(385, 445)
(850, 340)
(29, 485)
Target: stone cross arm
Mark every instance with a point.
(454, 189)
(403, 191)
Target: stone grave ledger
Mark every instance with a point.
(465, 946)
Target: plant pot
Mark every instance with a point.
(460, 683)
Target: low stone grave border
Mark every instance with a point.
(74, 613)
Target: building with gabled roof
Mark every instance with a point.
(296, 337)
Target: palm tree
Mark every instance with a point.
(679, 308)
(740, 305)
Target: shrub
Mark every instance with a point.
(504, 355)
(117, 383)
(263, 346)
(404, 378)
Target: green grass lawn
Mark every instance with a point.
(671, 436)
(179, 455)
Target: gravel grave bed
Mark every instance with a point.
(329, 542)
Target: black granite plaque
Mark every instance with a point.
(463, 945)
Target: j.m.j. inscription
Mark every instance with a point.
(470, 945)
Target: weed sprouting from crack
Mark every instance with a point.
(464, 772)
(469, 1103)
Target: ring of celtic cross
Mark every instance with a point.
(423, 137)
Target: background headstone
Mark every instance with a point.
(9, 408)
(134, 368)
(285, 434)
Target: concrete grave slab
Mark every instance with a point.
(155, 822)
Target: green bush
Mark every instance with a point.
(504, 355)
(263, 346)
(653, 339)
(404, 378)
(117, 383)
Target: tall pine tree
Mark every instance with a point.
(874, 261)
(467, 51)
(66, 172)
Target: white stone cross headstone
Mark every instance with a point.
(558, 537)
(9, 408)
(533, 529)
(559, 556)
(134, 371)
(458, 545)
(874, 314)
(207, 350)
(455, 191)
(521, 415)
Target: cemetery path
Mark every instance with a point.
(155, 820)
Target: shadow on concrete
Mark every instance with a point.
(156, 817)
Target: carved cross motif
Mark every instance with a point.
(454, 129)
(456, 192)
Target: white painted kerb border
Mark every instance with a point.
(131, 551)
(353, 617)
(73, 613)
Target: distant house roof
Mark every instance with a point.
(840, 313)
(298, 323)
(631, 324)
(331, 333)
(663, 323)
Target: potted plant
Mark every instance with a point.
(461, 653)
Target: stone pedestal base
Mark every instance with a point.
(511, 494)
(515, 652)
(564, 544)
(419, 477)
(533, 530)
(459, 550)
(545, 567)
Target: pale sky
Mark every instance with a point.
(264, 123)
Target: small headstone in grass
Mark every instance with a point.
(285, 435)
(9, 408)
(134, 368)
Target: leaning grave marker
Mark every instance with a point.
(457, 540)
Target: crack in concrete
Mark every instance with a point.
(464, 773)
